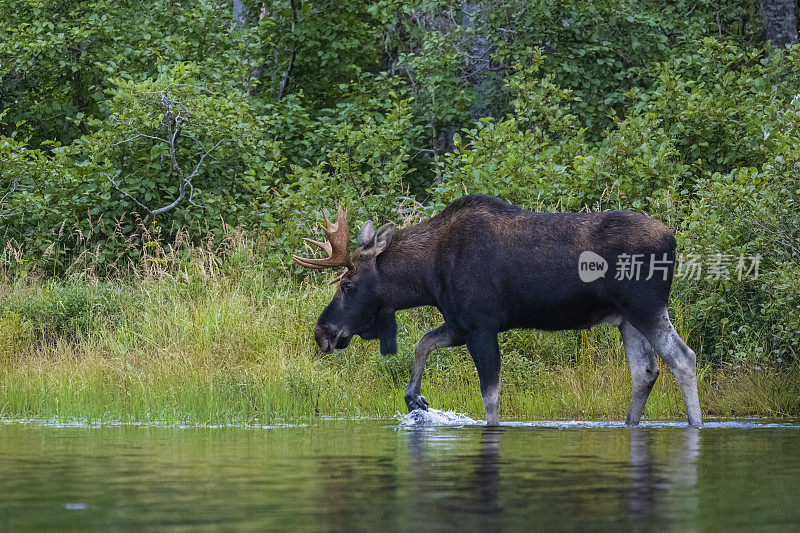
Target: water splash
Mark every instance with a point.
(435, 417)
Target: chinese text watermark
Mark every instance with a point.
(635, 267)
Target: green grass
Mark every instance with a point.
(227, 348)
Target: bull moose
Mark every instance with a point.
(489, 266)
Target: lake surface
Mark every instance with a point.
(403, 474)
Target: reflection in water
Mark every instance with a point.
(374, 476)
(652, 481)
(474, 501)
(487, 475)
(662, 476)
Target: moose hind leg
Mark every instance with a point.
(681, 360)
(485, 352)
(644, 369)
(441, 337)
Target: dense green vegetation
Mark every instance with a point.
(139, 134)
(235, 347)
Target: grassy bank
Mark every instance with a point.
(234, 348)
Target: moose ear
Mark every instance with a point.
(383, 237)
(366, 235)
(374, 242)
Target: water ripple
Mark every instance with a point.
(434, 417)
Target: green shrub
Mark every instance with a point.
(63, 310)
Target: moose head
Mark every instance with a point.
(359, 306)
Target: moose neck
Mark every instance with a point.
(406, 269)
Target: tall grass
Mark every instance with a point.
(214, 337)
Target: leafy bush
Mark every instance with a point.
(62, 311)
(132, 134)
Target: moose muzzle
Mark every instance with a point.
(330, 337)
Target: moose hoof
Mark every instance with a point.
(416, 402)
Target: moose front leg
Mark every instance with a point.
(441, 337)
(485, 351)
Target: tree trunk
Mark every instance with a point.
(780, 18)
(239, 13)
(478, 58)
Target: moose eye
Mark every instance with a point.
(346, 286)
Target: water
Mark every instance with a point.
(407, 474)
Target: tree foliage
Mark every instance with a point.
(125, 122)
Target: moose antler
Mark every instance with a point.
(337, 245)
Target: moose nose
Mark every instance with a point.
(326, 337)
